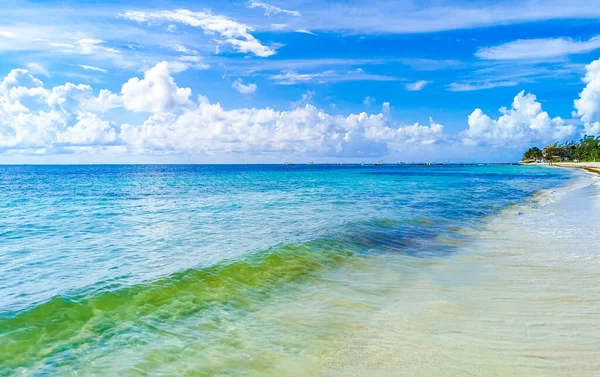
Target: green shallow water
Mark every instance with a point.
(64, 324)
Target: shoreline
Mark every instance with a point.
(592, 167)
(457, 300)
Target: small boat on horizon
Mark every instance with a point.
(288, 164)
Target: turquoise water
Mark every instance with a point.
(228, 270)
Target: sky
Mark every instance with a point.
(290, 80)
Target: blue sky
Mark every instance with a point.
(254, 81)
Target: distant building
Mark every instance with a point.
(558, 153)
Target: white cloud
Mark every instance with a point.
(306, 98)
(386, 108)
(83, 46)
(71, 98)
(473, 86)
(244, 88)
(184, 50)
(37, 68)
(432, 64)
(278, 26)
(6, 34)
(231, 32)
(67, 117)
(417, 85)
(303, 130)
(524, 123)
(156, 92)
(185, 62)
(290, 77)
(20, 78)
(305, 31)
(92, 68)
(381, 16)
(74, 117)
(538, 48)
(587, 106)
(33, 118)
(272, 9)
(88, 130)
(293, 77)
(89, 46)
(592, 129)
(369, 100)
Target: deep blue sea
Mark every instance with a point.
(187, 269)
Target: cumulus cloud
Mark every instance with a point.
(303, 130)
(588, 105)
(39, 120)
(232, 32)
(592, 129)
(89, 129)
(524, 123)
(34, 119)
(71, 98)
(272, 9)
(538, 48)
(244, 88)
(156, 92)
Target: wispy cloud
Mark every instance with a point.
(417, 85)
(37, 68)
(278, 26)
(382, 16)
(304, 31)
(294, 77)
(92, 68)
(184, 50)
(487, 75)
(232, 32)
(262, 65)
(419, 64)
(469, 87)
(272, 9)
(538, 48)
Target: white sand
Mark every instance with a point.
(593, 166)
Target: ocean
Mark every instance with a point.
(305, 270)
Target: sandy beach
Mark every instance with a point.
(593, 167)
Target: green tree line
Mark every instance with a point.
(587, 149)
